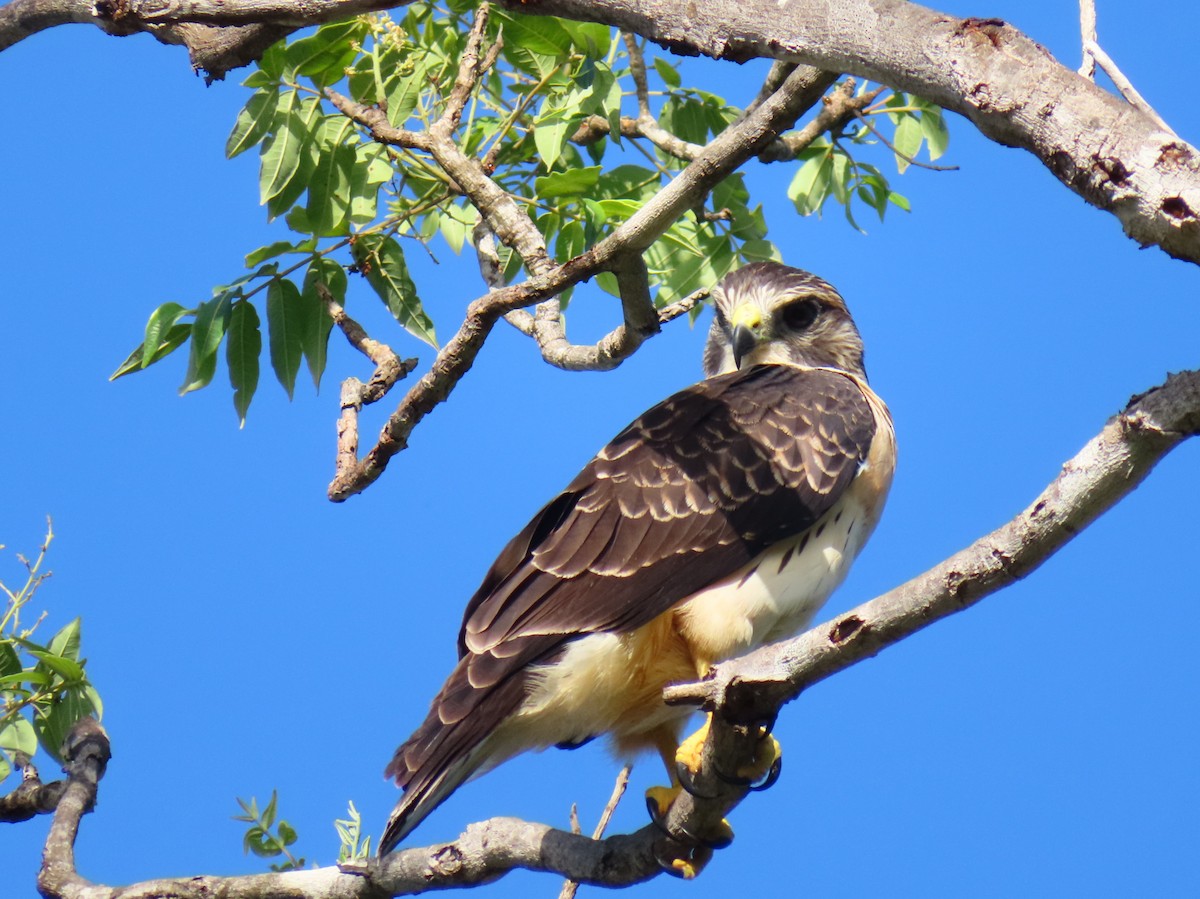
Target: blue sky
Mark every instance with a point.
(248, 635)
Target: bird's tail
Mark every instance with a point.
(454, 743)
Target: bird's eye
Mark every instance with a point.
(800, 314)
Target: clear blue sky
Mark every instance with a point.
(247, 634)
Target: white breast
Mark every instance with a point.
(777, 594)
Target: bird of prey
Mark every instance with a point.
(719, 520)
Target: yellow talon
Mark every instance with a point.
(688, 868)
(659, 799)
(691, 750)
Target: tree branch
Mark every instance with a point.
(32, 797)
(1120, 161)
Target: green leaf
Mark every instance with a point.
(318, 324)
(324, 55)
(551, 131)
(570, 241)
(811, 183)
(907, 141)
(253, 122)
(287, 834)
(760, 251)
(627, 182)
(171, 342)
(839, 180)
(278, 248)
(30, 676)
(572, 182)
(935, 132)
(538, 34)
(329, 187)
(371, 170)
(900, 201)
(268, 813)
(305, 123)
(285, 324)
(67, 669)
(161, 319)
(18, 736)
(381, 260)
(10, 662)
(66, 642)
(455, 224)
(667, 72)
(281, 151)
(207, 331)
(242, 349)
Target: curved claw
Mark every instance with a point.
(772, 776)
(766, 726)
(768, 780)
(687, 781)
(658, 817)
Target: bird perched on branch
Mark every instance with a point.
(719, 520)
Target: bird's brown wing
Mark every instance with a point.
(692, 490)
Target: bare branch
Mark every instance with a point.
(1128, 91)
(571, 886)
(637, 68)
(1087, 31)
(32, 797)
(470, 68)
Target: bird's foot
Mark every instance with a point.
(694, 850)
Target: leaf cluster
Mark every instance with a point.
(44, 688)
(259, 838)
(356, 207)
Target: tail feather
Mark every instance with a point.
(439, 757)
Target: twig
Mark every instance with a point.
(682, 307)
(909, 159)
(469, 70)
(1087, 31)
(1128, 91)
(570, 887)
(354, 393)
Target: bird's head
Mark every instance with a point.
(768, 313)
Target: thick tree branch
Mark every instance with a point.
(1114, 156)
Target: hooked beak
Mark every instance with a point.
(746, 325)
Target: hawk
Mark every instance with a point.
(719, 520)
